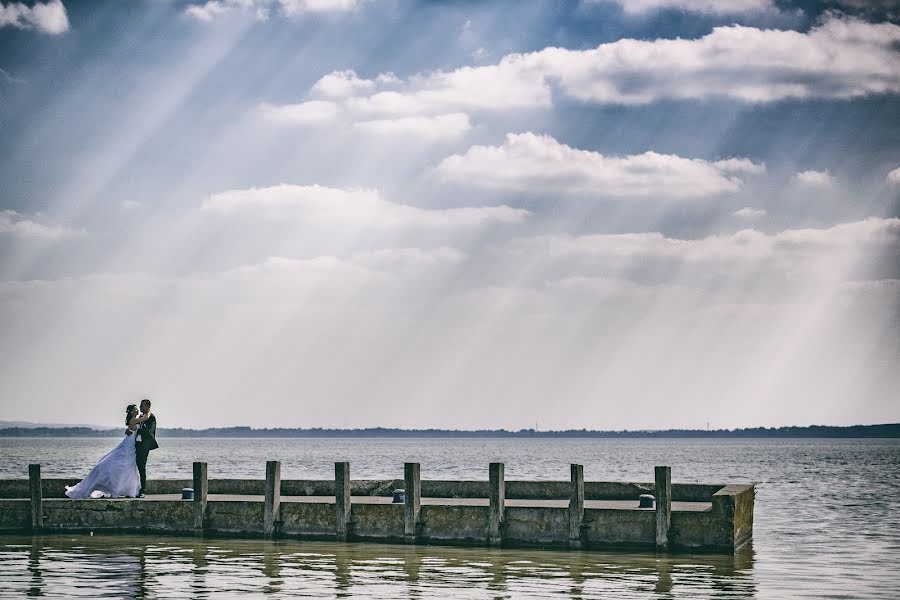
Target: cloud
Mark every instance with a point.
(714, 7)
(748, 244)
(749, 213)
(297, 7)
(210, 10)
(894, 176)
(409, 259)
(528, 161)
(357, 207)
(814, 178)
(441, 126)
(46, 17)
(838, 59)
(313, 111)
(339, 84)
(261, 9)
(17, 224)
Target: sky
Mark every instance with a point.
(589, 214)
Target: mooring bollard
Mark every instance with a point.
(272, 507)
(37, 497)
(411, 474)
(201, 490)
(576, 506)
(663, 493)
(497, 494)
(342, 500)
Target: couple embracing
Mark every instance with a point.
(123, 471)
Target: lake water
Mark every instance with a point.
(826, 524)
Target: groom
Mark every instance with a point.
(145, 442)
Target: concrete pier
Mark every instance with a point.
(575, 514)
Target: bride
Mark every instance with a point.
(116, 474)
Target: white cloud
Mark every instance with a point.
(409, 259)
(840, 58)
(814, 178)
(749, 213)
(210, 10)
(528, 161)
(47, 17)
(339, 84)
(894, 176)
(740, 165)
(261, 9)
(19, 225)
(358, 207)
(441, 126)
(298, 7)
(748, 244)
(715, 7)
(313, 111)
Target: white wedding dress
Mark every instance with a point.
(116, 475)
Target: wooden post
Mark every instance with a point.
(201, 489)
(342, 500)
(663, 493)
(497, 494)
(412, 501)
(272, 507)
(576, 505)
(37, 497)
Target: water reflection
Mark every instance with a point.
(152, 567)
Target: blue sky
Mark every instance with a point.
(645, 214)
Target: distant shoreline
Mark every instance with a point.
(889, 430)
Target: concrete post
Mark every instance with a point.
(411, 475)
(663, 493)
(342, 500)
(272, 506)
(37, 497)
(497, 477)
(576, 505)
(201, 490)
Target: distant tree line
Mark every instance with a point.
(890, 430)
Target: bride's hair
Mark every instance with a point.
(129, 410)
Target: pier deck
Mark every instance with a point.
(552, 503)
(575, 514)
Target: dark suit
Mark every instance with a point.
(147, 442)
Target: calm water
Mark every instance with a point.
(827, 521)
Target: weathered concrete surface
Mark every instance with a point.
(308, 520)
(529, 526)
(15, 515)
(734, 503)
(722, 522)
(383, 522)
(458, 524)
(118, 515)
(611, 527)
(243, 517)
(536, 490)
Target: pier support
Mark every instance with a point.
(201, 491)
(663, 493)
(497, 493)
(272, 507)
(576, 506)
(342, 500)
(412, 502)
(37, 498)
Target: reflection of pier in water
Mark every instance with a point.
(145, 567)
